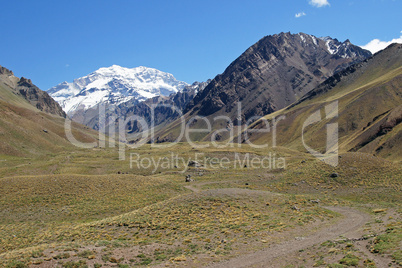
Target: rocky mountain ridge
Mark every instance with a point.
(274, 73)
(25, 88)
(368, 98)
(161, 105)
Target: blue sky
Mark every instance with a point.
(55, 41)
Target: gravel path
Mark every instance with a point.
(351, 223)
(349, 226)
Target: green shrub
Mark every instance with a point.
(335, 265)
(78, 264)
(16, 264)
(85, 253)
(62, 256)
(350, 260)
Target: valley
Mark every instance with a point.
(306, 174)
(116, 215)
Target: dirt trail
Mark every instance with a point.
(347, 227)
(193, 186)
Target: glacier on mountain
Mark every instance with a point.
(114, 85)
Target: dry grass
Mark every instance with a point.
(211, 222)
(148, 218)
(33, 206)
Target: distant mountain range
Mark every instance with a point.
(122, 92)
(272, 74)
(284, 74)
(114, 85)
(161, 111)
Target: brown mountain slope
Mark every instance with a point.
(25, 88)
(369, 98)
(31, 124)
(272, 74)
(275, 72)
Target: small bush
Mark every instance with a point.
(146, 261)
(37, 254)
(62, 256)
(16, 264)
(350, 260)
(335, 265)
(85, 253)
(78, 264)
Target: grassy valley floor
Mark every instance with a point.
(86, 208)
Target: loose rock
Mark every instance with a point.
(188, 178)
(194, 164)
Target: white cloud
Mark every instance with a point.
(67, 65)
(377, 45)
(300, 14)
(319, 3)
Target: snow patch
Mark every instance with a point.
(314, 40)
(302, 38)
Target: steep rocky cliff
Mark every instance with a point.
(274, 73)
(25, 88)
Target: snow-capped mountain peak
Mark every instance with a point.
(343, 50)
(114, 85)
